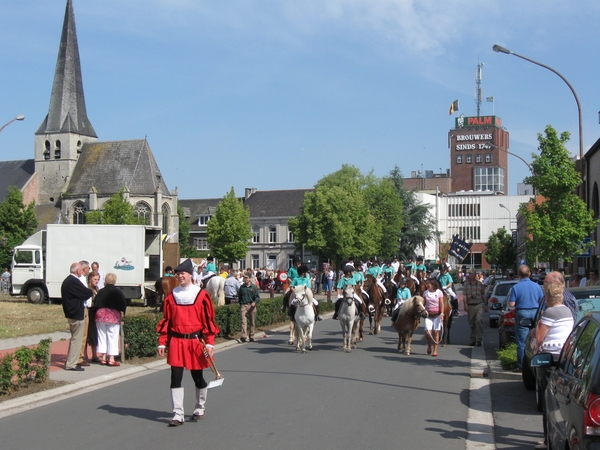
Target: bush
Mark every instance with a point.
(508, 356)
(26, 365)
(140, 335)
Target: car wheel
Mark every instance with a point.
(528, 377)
(36, 295)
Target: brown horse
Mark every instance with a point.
(422, 277)
(164, 286)
(361, 322)
(410, 283)
(411, 312)
(377, 300)
(392, 291)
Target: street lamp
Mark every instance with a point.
(509, 214)
(21, 117)
(499, 49)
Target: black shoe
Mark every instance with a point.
(472, 344)
(251, 339)
(283, 309)
(319, 318)
(455, 313)
(243, 339)
(335, 316)
(362, 316)
(196, 417)
(77, 369)
(175, 423)
(478, 343)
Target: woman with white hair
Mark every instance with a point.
(111, 304)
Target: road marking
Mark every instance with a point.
(480, 421)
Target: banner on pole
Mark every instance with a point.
(459, 248)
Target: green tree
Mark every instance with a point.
(418, 223)
(557, 226)
(117, 211)
(501, 250)
(17, 223)
(335, 221)
(229, 231)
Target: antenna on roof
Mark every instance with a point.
(478, 87)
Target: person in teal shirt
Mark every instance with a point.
(292, 275)
(303, 279)
(388, 270)
(445, 280)
(375, 271)
(410, 265)
(401, 297)
(347, 280)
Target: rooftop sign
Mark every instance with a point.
(465, 122)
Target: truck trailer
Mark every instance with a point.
(43, 261)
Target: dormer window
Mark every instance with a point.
(203, 220)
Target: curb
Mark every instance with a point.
(498, 373)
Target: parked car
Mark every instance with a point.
(499, 293)
(573, 393)
(588, 300)
(506, 323)
(494, 279)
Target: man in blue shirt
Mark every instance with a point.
(525, 297)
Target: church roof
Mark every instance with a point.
(110, 166)
(283, 203)
(15, 173)
(67, 113)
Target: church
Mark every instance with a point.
(72, 172)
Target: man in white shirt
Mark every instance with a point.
(85, 271)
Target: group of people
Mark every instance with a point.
(94, 308)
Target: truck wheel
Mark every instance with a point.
(36, 295)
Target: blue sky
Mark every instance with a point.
(277, 94)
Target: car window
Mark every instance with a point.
(502, 289)
(580, 354)
(567, 350)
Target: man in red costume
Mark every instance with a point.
(188, 317)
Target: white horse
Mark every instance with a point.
(349, 317)
(304, 317)
(215, 286)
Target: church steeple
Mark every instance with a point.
(67, 113)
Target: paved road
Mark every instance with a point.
(275, 398)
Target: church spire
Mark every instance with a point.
(67, 113)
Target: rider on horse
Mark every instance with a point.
(303, 279)
(292, 275)
(388, 270)
(445, 280)
(347, 280)
(402, 295)
(375, 272)
(209, 271)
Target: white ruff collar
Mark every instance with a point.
(186, 296)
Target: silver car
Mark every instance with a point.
(496, 300)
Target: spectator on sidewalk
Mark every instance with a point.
(74, 295)
(248, 297)
(5, 281)
(232, 287)
(101, 273)
(85, 271)
(111, 304)
(474, 304)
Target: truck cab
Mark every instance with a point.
(28, 273)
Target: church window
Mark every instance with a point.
(47, 150)
(57, 150)
(166, 217)
(79, 213)
(142, 211)
(78, 147)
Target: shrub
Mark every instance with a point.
(140, 335)
(508, 356)
(26, 365)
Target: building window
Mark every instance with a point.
(272, 262)
(47, 150)
(256, 236)
(467, 233)
(166, 218)
(458, 159)
(57, 150)
(464, 210)
(255, 261)
(488, 158)
(478, 158)
(489, 179)
(79, 213)
(142, 212)
(242, 264)
(290, 236)
(203, 220)
(201, 243)
(272, 235)
(469, 159)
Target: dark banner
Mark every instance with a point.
(459, 248)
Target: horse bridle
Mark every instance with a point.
(300, 300)
(417, 313)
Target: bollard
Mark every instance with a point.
(271, 293)
(329, 296)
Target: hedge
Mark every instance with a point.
(25, 366)
(141, 337)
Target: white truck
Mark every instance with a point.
(42, 262)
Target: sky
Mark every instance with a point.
(274, 94)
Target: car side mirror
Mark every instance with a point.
(527, 323)
(542, 360)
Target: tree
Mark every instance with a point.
(17, 223)
(501, 250)
(557, 226)
(117, 211)
(229, 231)
(336, 223)
(418, 223)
